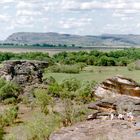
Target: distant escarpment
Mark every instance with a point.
(73, 40)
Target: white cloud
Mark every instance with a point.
(24, 5)
(28, 13)
(4, 18)
(96, 4)
(74, 23)
(7, 1)
(70, 16)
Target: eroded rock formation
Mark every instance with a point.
(117, 85)
(117, 105)
(99, 130)
(23, 72)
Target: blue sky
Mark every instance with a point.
(84, 17)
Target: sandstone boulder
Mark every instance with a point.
(117, 85)
(99, 130)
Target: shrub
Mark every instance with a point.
(54, 90)
(68, 114)
(11, 100)
(43, 99)
(2, 82)
(8, 90)
(8, 116)
(71, 84)
(85, 93)
(73, 112)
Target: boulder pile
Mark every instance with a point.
(118, 95)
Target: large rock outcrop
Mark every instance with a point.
(117, 85)
(99, 130)
(23, 72)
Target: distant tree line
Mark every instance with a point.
(26, 56)
(97, 58)
(46, 45)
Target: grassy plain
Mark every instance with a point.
(97, 74)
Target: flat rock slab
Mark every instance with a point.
(99, 130)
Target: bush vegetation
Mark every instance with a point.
(9, 91)
(43, 99)
(25, 56)
(71, 88)
(97, 58)
(73, 112)
(8, 116)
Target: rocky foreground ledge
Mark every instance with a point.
(100, 130)
(117, 95)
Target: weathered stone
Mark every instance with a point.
(119, 104)
(23, 72)
(98, 130)
(117, 85)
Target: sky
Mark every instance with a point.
(83, 17)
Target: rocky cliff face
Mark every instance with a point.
(23, 72)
